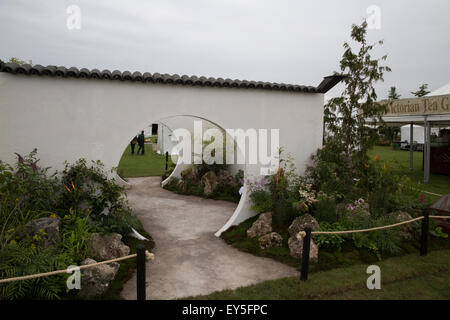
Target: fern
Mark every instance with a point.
(19, 260)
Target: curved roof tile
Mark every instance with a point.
(74, 72)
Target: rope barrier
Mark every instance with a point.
(440, 217)
(432, 193)
(302, 234)
(151, 256)
(148, 256)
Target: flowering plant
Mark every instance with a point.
(358, 206)
(307, 197)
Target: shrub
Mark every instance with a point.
(85, 199)
(326, 208)
(262, 201)
(88, 187)
(27, 186)
(284, 212)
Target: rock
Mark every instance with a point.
(106, 247)
(296, 249)
(270, 240)
(209, 181)
(301, 222)
(95, 280)
(262, 226)
(406, 231)
(363, 213)
(182, 185)
(190, 174)
(45, 229)
(225, 178)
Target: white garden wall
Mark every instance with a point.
(72, 118)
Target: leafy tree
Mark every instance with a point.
(18, 61)
(390, 132)
(422, 91)
(346, 115)
(393, 95)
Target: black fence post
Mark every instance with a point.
(305, 254)
(140, 272)
(167, 160)
(424, 238)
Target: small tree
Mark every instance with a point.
(422, 91)
(341, 167)
(18, 61)
(346, 115)
(393, 95)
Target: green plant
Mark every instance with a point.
(120, 222)
(326, 208)
(329, 240)
(284, 211)
(262, 201)
(342, 164)
(27, 187)
(74, 235)
(20, 260)
(437, 232)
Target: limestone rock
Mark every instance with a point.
(106, 247)
(301, 222)
(46, 229)
(190, 174)
(182, 185)
(269, 240)
(95, 280)
(262, 226)
(407, 231)
(296, 249)
(209, 181)
(225, 178)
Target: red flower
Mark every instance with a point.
(300, 206)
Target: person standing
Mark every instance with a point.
(133, 144)
(141, 141)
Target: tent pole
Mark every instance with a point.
(411, 151)
(426, 168)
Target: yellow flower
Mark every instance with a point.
(53, 215)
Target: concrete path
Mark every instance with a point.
(190, 260)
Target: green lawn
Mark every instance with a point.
(400, 162)
(406, 277)
(151, 164)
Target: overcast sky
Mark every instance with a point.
(286, 41)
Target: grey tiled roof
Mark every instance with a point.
(73, 72)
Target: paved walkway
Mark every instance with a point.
(190, 260)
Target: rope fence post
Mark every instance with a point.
(424, 236)
(140, 272)
(305, 254)
(167, 160)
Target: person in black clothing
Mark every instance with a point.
(141, 141)
(133, 144)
